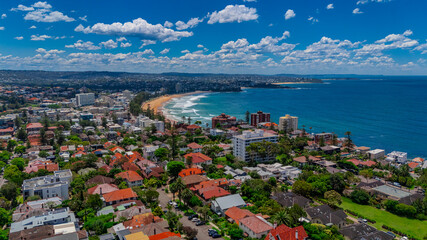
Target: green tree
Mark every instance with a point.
(174, 167)
(19, 162)
(161, 154)
(94, 201)
(21, 134)
(13, 174)
(282, 217)
(186, 195)
(20, 150)
(5, 217)
(9, 190)
(11, 144)
(333, 198)
(302, 187)
(189, 232)
(359, 196)
(247, 115)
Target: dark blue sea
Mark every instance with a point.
(381, 112)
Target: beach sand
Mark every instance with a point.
(156, 104)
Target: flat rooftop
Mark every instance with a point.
(392, 191)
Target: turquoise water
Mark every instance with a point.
(389, 113)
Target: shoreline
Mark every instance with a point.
(157, 103)
(281, 83)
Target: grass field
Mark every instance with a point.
(413, 227)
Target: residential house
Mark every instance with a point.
(235, 214)
(289, 199)
(255, 226)
(196, 148)
(364, 231)
(33, 208)
(191, 171)
(222, 204)
(102, 189)
(284, 232)
(326, 215)
(119, 196)
(199, 158)
(132, 178)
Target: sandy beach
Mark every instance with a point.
(157, 103)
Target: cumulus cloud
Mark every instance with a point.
(42, 12)
(357, 11)
(81, 45)
(147, 42)
(138, 28)
(200, 46)
(110, 44)
(3, 16)
(125, 44)
(233, 13)
(361, 2)
(2, 28)
(40, 37)
(164, 51)
(84, 18)
(289, 14)
(19, 38)
(168, 24)
(33, 27)
(330, 6)
(180, 25)
(147, 52)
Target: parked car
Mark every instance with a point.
(200, 223)
(216, 235)
(192, 216)
(195, 220)
(211, 232)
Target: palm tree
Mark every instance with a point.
(177, 187)
(204, 211)
(186, 195)
(282, 217)
(349, 142)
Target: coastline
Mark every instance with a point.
(157, 104)
(280, 83)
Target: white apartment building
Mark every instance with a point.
(48, 186)
(84, 99)
(145, 122)
(376, 154)
(240, 142)
(288, 123)
(399, 157)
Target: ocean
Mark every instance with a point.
(381, 112)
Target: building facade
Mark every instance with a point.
(259, 117)
(85, 99)
(223, 120)
(240, 142)
(288, 123)
(48, 186)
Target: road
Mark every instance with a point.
(202, 233)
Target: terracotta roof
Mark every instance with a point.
(255, 224)
(301, 159)
(130, 176)
(130, 166)
(102, 189)
(140, 220)
(99, 180)
(190, 171)
(211, 183)
(164, 235)
(368, 163)
(354, 161)
(193, 179)
(413, 165)
(120, 195)
(193, 126)
(7, 130)
(194, 145)
(236, 214)
(210, 192)
(34, 125)
(198, 157)
(284, 232)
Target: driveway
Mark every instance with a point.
(202, 233)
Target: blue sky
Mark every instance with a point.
(227, 36)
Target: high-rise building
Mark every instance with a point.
(240, 143)
(84, 99)
(259, 117)
(288, 123)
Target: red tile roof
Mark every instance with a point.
(34, 125)
(120, 195)
(368, 163)
(102, 189)
(210, 192)
(130, 176)
(190, 171)
(255, 224)
(198, 157)
(413, 165)
(164, 235)
(236, 214)
(194, 145)
(193, 127)
(140, 220)
(211, 183)
(284, 232)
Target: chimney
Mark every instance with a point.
(155, 232)
(296, 234)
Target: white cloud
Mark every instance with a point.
(357, 11)
(42, 12)
(164, 51)
(121, 39)
(312, 19)
(185, 51)
(84, 18)
(40, 37)
(42, 5)
(168, 24)
(33, 27)
(19, 38)
(81, 45)
(138, 27)
(125, 44)
(289, 14)
(2, 28)
(233, 13)
(180, 25)
(22, 8)
(147, 42)
(110, 44)
(249, 0)
(330, 6)
(3, 16)
(200, 46)
(147, 51)
(361, 2)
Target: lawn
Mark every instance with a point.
(411, 227)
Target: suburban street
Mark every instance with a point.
(202, 233)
